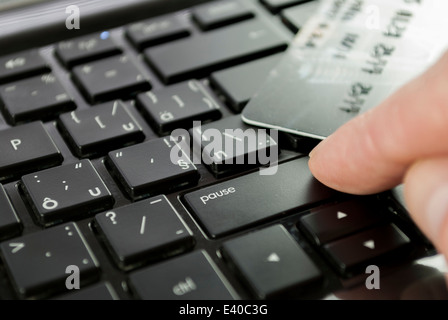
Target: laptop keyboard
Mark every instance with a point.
(87, 181)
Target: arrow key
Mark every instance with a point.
(272, 263)
(339, 220)
(352, 253)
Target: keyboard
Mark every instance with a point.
(93, 207)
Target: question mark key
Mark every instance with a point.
(143, 232)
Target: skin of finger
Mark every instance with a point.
(423, 180)
(372, 152)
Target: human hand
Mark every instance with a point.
(403, 140)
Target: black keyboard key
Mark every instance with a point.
(156, 31)
(38, 98)
(221, 13)
(87, 48)
(110, 78)
(254, 198)
(147, 169)
(21, 65)
(241, 146)
(97, 292)
(10, 224)
(193, 58)
(352, 253)
(98, 130)
(26, 148)
(190, 277)
(144, 231)
(276, 5)
(71, 191)
(272, 263)
(297, 143)
(238, 84)
(177, 106)
(333, 222)
(294, 18)
(37, 262)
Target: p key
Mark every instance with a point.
(26, 148)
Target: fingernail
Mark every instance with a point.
(437, 211)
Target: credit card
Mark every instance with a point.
(344, 62)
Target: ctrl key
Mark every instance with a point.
(190, 277)
(38, 262)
